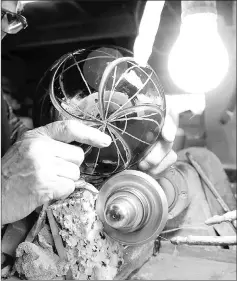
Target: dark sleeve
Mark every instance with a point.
(11, 126)
(5, 127)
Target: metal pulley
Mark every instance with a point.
(133, 207)
(174, 182)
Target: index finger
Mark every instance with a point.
(73, 130)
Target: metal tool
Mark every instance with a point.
(209, 185)
(210, 240)
(204, 240)
(229, 216)
(207, 182)
(133, 207)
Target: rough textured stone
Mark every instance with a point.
(90, 253)
(35, 263)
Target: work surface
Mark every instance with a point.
(189, 263)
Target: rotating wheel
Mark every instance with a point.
(132, 207)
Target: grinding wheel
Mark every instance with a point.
(133, 207)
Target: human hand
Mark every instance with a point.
(161, 156)
(42, 166)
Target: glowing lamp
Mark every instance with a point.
(198, 61)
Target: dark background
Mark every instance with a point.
(57, 27)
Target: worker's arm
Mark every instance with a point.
(42, 166)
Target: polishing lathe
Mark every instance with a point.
(134, 207)
(104, 87)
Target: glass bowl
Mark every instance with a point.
(104, 87)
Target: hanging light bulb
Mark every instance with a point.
(198, 61)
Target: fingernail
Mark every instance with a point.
(143, 165)
(107, 140)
